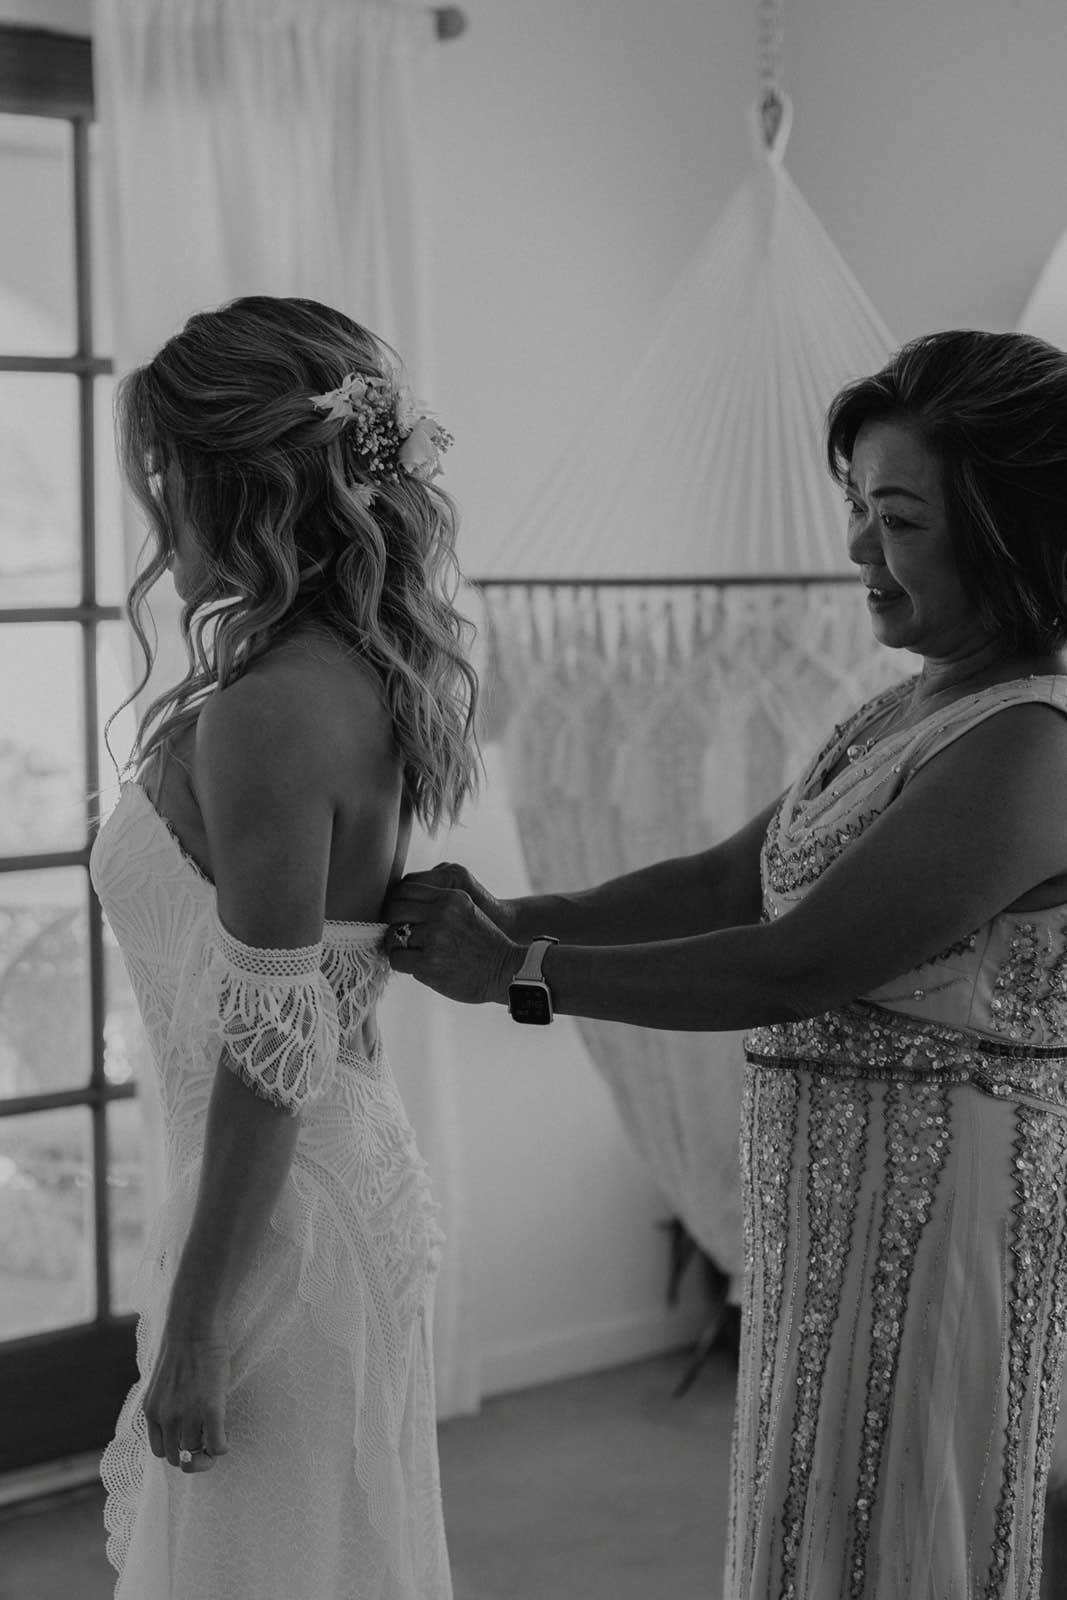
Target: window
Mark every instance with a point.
(71, 1203)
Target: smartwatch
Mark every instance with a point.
(529, 997)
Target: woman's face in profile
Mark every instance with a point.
(898, 536)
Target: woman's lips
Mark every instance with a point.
(882, 599)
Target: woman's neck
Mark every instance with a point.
(989, 664)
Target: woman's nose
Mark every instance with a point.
(864, 541)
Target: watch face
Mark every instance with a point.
(529, 1002)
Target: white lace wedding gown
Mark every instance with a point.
(330, 1488)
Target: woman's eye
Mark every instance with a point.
(888, 520)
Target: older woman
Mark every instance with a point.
(893, 933)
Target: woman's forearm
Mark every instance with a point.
(715, 982)
(248, 1149)
(672, 899)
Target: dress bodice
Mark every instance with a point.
(159, 901)
(996, 995)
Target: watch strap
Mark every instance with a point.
(530, 971)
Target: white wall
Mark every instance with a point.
(580, 148)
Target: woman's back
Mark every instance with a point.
(372, 812)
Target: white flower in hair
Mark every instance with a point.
(343, 401)
(419, 455)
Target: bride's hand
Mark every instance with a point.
(185, 1401)
(452, 875)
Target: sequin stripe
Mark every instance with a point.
(837, 1140)
(1030, 993)
(743, 1405)
(1038, 1179)
(1055, 1348)
(796, 866)
(777, 1104)
(917, 1125)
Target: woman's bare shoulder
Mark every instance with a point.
(320, 680)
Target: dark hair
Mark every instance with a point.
(219, 429)
(992, 407)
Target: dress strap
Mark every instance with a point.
(937, 732)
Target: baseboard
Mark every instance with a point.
(51, 1477)
(524, 1363)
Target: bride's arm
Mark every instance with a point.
(268, 820)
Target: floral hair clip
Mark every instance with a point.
(390, 430)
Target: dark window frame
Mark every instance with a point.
(63, 1389)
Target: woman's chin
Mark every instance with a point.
(891, 620)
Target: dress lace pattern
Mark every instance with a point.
(330, 1490)
(904, 1177)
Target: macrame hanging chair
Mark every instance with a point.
(648, 717)
(709, 460)
(1045, 313)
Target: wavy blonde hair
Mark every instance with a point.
(218, 430)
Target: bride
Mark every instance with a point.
(280, 1443)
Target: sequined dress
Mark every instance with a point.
(330, 1488)
(904, 1178)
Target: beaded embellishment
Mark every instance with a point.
(1030, 994)
(838, 1115)
(783, 1517)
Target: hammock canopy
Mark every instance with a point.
(709, 460)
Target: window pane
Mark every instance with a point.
(42, 764)
(126, 1198)
(111, 585)
(47, 1277)
(44, 982)
(103, 304)
(37, 316)
(40, 516)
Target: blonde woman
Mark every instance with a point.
(280, 1441)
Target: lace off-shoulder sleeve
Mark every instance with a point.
(276, 1016)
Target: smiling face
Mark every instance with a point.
(898, 536)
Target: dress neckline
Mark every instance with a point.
(138, 788)
(814, 788)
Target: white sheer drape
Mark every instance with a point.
(270, 147)
(640, 724)
(647, 722)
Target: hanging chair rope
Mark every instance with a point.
(770, 31)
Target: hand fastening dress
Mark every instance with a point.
(330, 1488)
(904, 1172)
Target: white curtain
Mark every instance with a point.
(271, 147)
(644, 723)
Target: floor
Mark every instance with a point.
(603, 1487)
